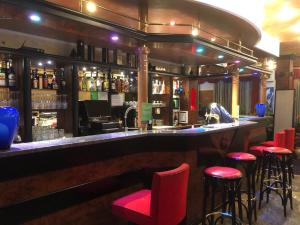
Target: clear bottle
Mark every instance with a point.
(40, 80)
(35, 80)
(12, 78)
(45, 79)
(113, 84)
(2, 74)
(54, 81)
(84, 83)
(98, 83)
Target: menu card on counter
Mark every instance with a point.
(117, 99)
(146, 111)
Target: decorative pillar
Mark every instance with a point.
(143, 53)
(263, 89)
(235, 95)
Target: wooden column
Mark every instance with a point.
(263, 89)
(142, 82)
(235, 95)
(143, 15)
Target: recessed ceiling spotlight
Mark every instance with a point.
(195, 32)
(91, 7)
(213, 39)
(115, 38)
(172, 23)
(84, 68)
(49, 62)
(220, 56)
(241, 70)
(35, 18)
(237, 61)
(286, 13)
(131, 72)
(200, 50)
(40, 64)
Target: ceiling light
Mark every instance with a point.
(40, 63)
(241, 70)
(172, 23)
(220, 56)
(115, 37)
(237, 61)
(91, 7)
(296, 27)
(286, 13)
(35, 18)
(200, 50)
(84, 68)
(49, 62)
(131, 72)
(195, 32)
(213, 39)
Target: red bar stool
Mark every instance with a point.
(279, 140)
(274, 156)
(248, 163)
(164, 204)
(229, 180)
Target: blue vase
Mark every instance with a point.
(260, 109)
(9, 123)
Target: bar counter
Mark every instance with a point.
(74, 180)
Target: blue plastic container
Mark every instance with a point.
(9, 123)
(260, 109)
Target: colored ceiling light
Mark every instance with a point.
(91, 7)
(220, 56)
(237, 61)
(35, 18)
(195, 32)
(172, 23)
(200, 50)
(115, 38)
(241, 70)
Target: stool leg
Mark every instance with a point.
(290, 185)
(249, 196)
(253, 195)
(224, 203)
(212, 207)
(232, 201)
(269, 177)
(263, 172)
(239, 197)
(259, 162)
(206, 193)
(284, 182)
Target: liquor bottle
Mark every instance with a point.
(2, 75)
(84, 84)
(105, 84)
(121, 85)
(126, 85)
(62, 79)
(98, 83)
(40, 80)
(54, 81)
(92, 84)
(12, 78)
(163, 88)
(45, 79)
(113, 84)
(50, 81)
(35, 80)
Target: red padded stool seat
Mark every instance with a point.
(164, 204)
(268, 143)
(223, 172)
(278, 150)
(243, 156)
(257, 150)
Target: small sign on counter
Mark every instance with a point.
(146, 111)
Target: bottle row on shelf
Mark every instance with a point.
(48, 79)
(158, 87)
(8, 76)
(98, 81)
